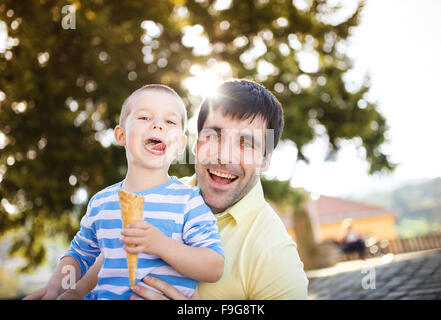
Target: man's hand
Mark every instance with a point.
(166, 288)
(46, 293)
(70, 294)
(144, 237)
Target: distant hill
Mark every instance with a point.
(419, 206)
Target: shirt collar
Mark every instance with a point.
(242, 209)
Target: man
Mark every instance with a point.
(237, 132)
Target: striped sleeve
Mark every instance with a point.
(200, 228)
(84, 246)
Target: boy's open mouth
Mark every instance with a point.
(221, 177)
(155, 146)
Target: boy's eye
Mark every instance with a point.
(144, 118)
(171, 122)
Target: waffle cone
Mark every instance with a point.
(132, 207)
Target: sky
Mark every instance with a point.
(398, 42)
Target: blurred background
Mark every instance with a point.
(358, 80)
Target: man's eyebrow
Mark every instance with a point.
(216, 129)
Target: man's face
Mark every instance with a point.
(229, 158)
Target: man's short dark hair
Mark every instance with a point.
(245, 99)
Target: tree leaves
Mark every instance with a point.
(71, 84)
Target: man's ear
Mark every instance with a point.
(193, 148)
(120, 135)
(265, 164)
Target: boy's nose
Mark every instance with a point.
(158, 126)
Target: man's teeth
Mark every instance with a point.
(221, 174)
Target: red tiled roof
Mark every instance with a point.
(329, 209)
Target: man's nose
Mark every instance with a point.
(225, 152)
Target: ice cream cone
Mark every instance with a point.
(132, 207)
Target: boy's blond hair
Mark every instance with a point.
(125, 110)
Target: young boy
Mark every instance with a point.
(178, 239)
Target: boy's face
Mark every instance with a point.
(152, 132)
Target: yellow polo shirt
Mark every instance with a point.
(261, 259)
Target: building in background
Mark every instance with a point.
(328, 215)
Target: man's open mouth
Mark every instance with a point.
(221, 177)
(155, 146)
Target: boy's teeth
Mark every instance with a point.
(221, 174)
(155, 151)
(152, 142)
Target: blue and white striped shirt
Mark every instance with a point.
(176, 209)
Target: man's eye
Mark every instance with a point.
(246, 143)
(213, 136)
(209, 135)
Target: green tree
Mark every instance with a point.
(61, 90)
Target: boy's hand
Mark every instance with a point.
(144, 237)
(46, 293)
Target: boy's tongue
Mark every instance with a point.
(158, 146)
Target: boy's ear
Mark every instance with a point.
(120, 135)
(183, 144)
